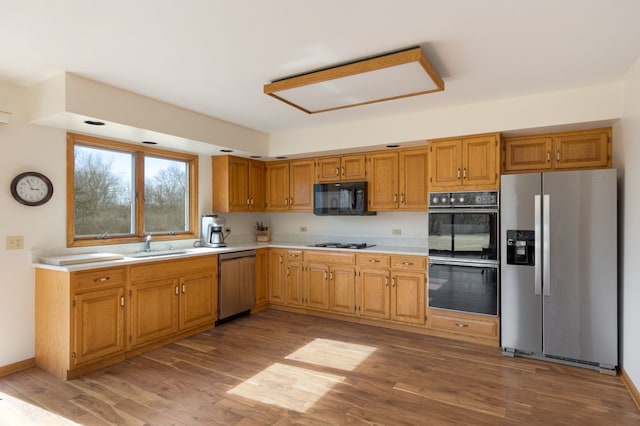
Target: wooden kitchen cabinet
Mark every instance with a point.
(169, 297)
(294, 278)
(466, 326)
(588, 149)
(374, 290)
(398, 180)
(289, 186)
(262, 279)
(408, 282)
(277, 276)
(238, 184)
(80, 319)
(466, 163)
(330, 281)
(341, 168)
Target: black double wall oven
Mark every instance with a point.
(464, 230)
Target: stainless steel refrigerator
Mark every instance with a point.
(559, 298)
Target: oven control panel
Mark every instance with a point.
(486, 199)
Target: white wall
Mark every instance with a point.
(627, 160)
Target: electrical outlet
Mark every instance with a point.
(15, 242)
(396, 231)
(303, 229)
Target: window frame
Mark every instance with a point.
(139, 153)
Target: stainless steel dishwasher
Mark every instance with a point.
(236, 284)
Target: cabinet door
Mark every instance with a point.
(301, 185)
(342, 289)
(98, 324)
(198, 299)
(408, 297)
(238, 184)
(582, 150)
(414, 165)
(383, 181)
(353, 167)
(277, 278)
(295, 284)
(262, 277)
(328, 169)
(154, 310)
(277, 187)
(527, 154)
(257, 199)
(445, 164)
(480, 167)
(317, 286)
(374, 297)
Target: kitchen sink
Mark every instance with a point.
(154, 253)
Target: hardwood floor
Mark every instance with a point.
(278, 368)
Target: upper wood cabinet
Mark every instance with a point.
(289, 185)
(466, 163)
(587, 149)
(398, 180)
(341, 169)
(238, 184)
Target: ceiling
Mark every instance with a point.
(214, 56)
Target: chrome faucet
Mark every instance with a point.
(147, 243)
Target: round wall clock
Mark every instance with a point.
(31, 188)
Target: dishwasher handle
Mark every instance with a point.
(236, 255)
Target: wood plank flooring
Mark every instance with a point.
(279, 368)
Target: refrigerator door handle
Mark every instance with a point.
(546, 252)
(538, 245)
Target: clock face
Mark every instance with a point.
(31, 188)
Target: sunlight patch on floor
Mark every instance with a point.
(288, 387)
(14, 411)
(333, 354)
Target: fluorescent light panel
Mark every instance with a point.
(392, 76)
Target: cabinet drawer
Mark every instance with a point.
(476, 326)
(374, 261)
(100, 278)
(333, 258)
(165, 268)
(413, 263)
(294, 255)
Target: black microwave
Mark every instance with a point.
(340, 199)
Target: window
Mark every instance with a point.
(119, 193)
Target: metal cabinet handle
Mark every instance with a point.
(121, 300)
(290, 201)
(548, 156)
(374, 261)
(286, 201)
(458, 172)
(331, 276)
(386, 281)
(407, 263)
(101, 279)
(343, 171)
(325, 275)
(184, 288)
(177, 290)
(464, 173)
(288, 272)
(402, 197)
(393, 282)
(558, 155)
(395, 198)
(252, 201)
(337, 171)
(462, 325)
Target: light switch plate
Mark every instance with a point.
(15, 242)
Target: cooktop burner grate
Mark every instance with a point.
(344, 245)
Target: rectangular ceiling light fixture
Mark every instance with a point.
(382, 78)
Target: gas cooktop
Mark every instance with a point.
(344, 245)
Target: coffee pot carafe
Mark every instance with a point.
(213, 234)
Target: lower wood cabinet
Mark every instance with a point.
(475, 327)
(262, 279)
(93, 318)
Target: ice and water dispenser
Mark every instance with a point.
(520, 247)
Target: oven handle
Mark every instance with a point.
(450, 210)
(463, 263)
